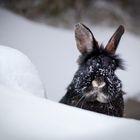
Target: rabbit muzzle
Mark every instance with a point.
(97, 91)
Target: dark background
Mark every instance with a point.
(65, 13)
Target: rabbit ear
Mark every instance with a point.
(114, 40)
(84, 39)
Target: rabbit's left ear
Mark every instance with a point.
(114, 40)
(85, 40)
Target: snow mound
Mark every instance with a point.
(26, 117)
(17, 71)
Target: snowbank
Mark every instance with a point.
(17, 71)
(54, 53)
(26, 117)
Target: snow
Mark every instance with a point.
(27, 117)
(17, 71)
(54, 52)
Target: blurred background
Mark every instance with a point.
(45, 35)
(65, 13)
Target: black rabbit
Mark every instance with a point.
(95, 85)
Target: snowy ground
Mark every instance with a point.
(54, 53)
(26, 117)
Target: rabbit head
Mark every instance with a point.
(95, 80)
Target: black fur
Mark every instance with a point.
(97, 63)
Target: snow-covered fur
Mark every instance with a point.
(95, 85)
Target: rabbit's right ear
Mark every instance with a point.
(85, 40)
(114, 40)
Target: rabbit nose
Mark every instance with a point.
(98, 84)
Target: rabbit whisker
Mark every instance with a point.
(83, 96)
(83, 103)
